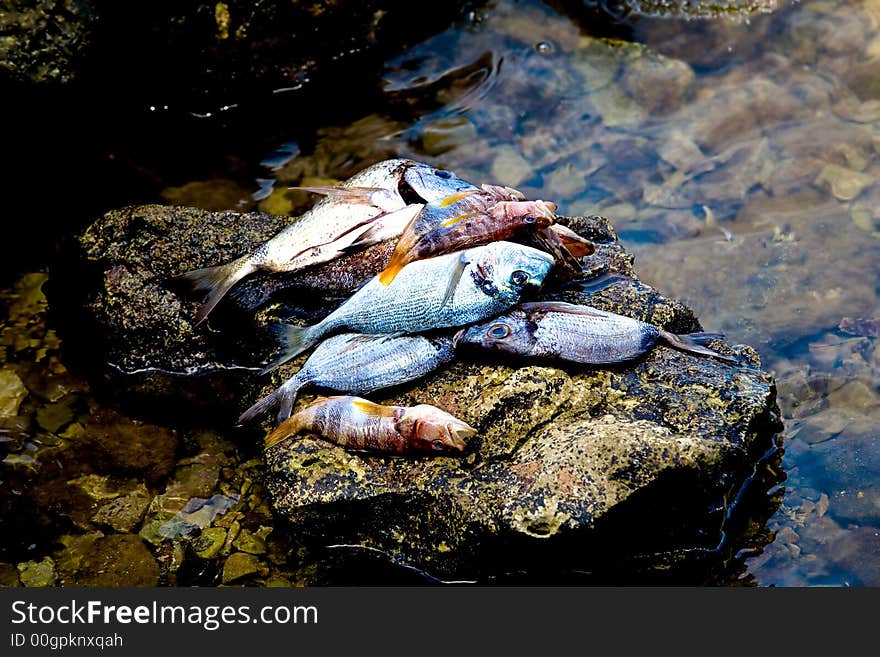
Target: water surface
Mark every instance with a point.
(738, 160)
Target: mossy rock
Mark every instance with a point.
(571, 466)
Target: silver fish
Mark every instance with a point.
(370, 202)
(360, 424)
(495, 275)
(582, 334)
(358, 364)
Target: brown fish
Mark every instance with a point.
(357, 423)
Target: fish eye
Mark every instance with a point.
(442, 173)
(519, 277)
(530, 219)
(437, 444)
(499, 331)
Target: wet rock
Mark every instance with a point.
(129, 445)
(210, 195)
(76, 546)
(206, 48)
(845, 184)
(12, 393)
(856, 551)
(45, 41)
(510, 166)
(444, 134)
(56, 415)
(38, 573)
(118, 560)
(567, 453)
(123, 514)
(250, 542)
(657, 83)
(9, 575)
(210, 542)
(239, 565)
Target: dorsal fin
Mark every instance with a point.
(371, 409)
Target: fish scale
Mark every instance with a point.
(416, 300)
(358, 364)
(581, 334)
(608, 338)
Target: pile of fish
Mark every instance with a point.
(465, 261)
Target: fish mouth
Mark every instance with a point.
(459, 434)
(458, 336)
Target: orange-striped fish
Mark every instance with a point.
(467, 219)
(357, 423)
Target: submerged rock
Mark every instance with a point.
(38, 573)
(117, 560)
(572, 467)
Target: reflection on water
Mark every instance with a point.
(737, 160)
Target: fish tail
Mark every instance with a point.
(215, 282)
(695, 343)
(289, 427)
(293, 340)
(392, 270)
(282, 399)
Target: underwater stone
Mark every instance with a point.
(120, 443)
(118, 560)
(37, 573)
(124, 513)
(9, 575)
(210, 542)
(241, 564)
(12, 393)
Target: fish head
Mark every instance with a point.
(508, 269)
(511, 333)
(428, 429)
(432, 184)
(531, 215)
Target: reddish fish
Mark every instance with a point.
(467, 219)
(356, 423)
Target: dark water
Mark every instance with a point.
(738, 160)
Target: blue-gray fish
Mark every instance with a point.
(582, 334)
(358, 364)
(370, 202)
(492, 279)
(358, 423)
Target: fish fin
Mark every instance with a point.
(454, 220)
(351, 194)
(285, 429)
(293, 340)
(358, 339)
(562, 307)
(578, 246)
(282, 398)
(695, 343)
(371, 235)
(371, 409)
(456, 197)
(215, 282)
(398, 262)
(461, 264)
(556, 247)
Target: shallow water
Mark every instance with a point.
(738, 160)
